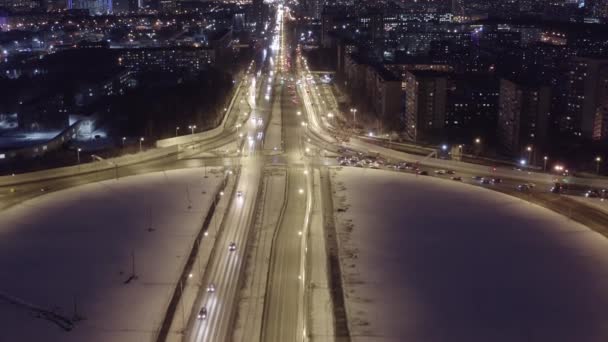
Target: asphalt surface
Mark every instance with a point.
(283, 313)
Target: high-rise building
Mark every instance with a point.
(425, 104)
(95, 7)
(584, 94)
(523, 112)
(258, 14)
(458, 8)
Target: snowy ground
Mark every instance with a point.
(433, 260)
(77, 245)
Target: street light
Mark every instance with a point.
(529, 149)
(354, 111)
(545, 158)
(598, 160)
(478, 141)
(123, 141)
(192, 128)
(78, 154)
(176, 129)
(141, 139)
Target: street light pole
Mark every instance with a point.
(545, 158)
(176, 129)
(598, 160)
(141, 139)
(78, 154)
(529, 149)
(192, 128)
(123, 141)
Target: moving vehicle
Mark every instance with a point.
(422, 173)
(556, 188)
(458, 179)
(232, 247)
(211, 288)
(592, 193)
(202, 314)
(523, 187)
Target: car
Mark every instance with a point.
(496, 180)
(422, 173)
(523, 188)
(592, 193)
(457, 178)
(450, 172)
(211, 288)
(232, 247)
(485, 181)
(239, 193)
(477, 178)
(202, 314)
(556, 188)
(440, 172)
(374, 165)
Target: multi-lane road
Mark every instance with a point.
(273, 87)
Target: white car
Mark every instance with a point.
(232, 247)
(211, 288)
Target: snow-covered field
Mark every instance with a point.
(433, 260)
(78, 246)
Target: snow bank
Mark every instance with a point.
(426, 259)
(78, 246)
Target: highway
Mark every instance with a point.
(273, 87)
(226, 267)
(284, 316)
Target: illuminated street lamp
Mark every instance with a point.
(176, 129)
(141, 140)
(545, 158)
(478, 141)
(354, 111)
(78, 154)
(192, 128)
(529, 150)
(123, 141)
(598, 160)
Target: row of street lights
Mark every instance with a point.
(190, 127)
